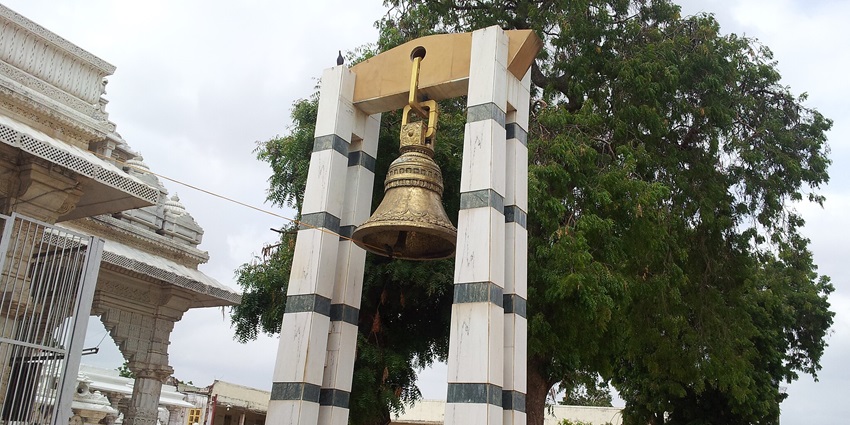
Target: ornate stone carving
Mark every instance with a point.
(36, 29)
(59, 64)
(43, 190)
(90, 109)
(143, 339)
(45, 147)
(43, 119)
(131, 292)
(91, 406)
(130, 235)
(146, 371)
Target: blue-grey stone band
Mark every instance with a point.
(482, 198)
(513, 400)
(320, 219)
(331, 141)
(295, 391)
(362, 159)
(308, 303)
(515, 214)
(345, 232)
(486, 111)
(478, 292)
(513, 303)
(474, 393)
(334, 397)
(344, 313)
(514, 131)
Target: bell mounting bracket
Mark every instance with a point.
(427, 109)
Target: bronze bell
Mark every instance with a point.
(411, 223)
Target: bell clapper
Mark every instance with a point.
(401, 242)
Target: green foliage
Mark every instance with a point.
(264, 284)
(585, 389)
(289, 156)
(577, 422)
(665, 253)
(125, 372)
(571, 422)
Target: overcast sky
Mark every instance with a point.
(200, 81)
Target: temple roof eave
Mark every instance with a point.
(206, 291)
(111, 228)
(106, 187)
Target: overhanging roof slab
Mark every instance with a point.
(206, 291)
(106, 188)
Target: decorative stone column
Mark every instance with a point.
(142, 334)
(147, 388)
(116, 400)
(175, 415)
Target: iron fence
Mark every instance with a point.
(47, 280)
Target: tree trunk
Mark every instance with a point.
(538, 387)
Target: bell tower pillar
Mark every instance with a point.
(487, 351)
(315, 361)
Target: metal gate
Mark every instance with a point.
(47, 280)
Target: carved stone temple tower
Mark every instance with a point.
(487, 352)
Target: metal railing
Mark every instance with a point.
(47, 280)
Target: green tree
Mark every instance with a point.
(665, 253)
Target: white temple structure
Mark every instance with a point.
(100, 391)
(86, 230)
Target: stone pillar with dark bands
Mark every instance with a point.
(476, 344)
(300, 364)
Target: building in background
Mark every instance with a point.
(233, 404)
(432, 412)
(102, 397)
(225, 403)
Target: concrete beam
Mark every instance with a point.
(383, 81)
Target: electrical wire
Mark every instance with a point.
(237, 202)
(101, 340)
